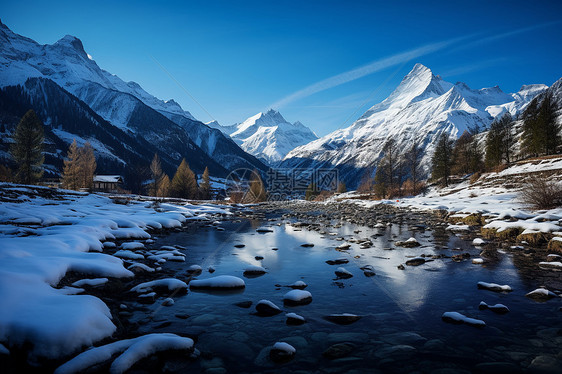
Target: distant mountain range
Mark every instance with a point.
(125, 124)
(76, 99)
(421, 108)
(268, 136)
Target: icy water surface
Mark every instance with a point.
(401, 327)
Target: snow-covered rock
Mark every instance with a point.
(297, 297)
(267, 308)
(494, 287)
(221, 282)
(458, 318)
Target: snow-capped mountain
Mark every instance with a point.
(421, 108)
(268, 135)
(123, 104)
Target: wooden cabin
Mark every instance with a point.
(107, 183)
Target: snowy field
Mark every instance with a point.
(46, 234)
(496, 203)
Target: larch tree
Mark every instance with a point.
(442, 160)
(205, 186)
(257, 191)
(163, 187)
(71, 169)
(184, 184)
(27, 149)
(341, 187)
(87, 165)
(157, 176)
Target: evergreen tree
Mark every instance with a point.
(442, 160)
(27, 149)
(257, 191)
(494, 145)
(5, 174)
(184, 184)
(550, 129)
(475, 156)
(531, 139)
(540, 130)
(206, 185)
(467, 158)
(413, 158)
(87, 165)
(157, 176)
(71, 170)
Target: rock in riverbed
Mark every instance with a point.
(266, 308)
(343, 273)
(282, 352)
(342, 319)
(297, 297)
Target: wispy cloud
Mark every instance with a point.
(497, 37)
(362, 71)
(473, 67)
(401, 58)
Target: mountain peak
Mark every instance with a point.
(71, 41)
(419, 69)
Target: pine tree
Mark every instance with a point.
(206, 185)
(87, 165)
(71, 170)
(257, 191)
(499, 142)
(157, 175)
(550, 129)
(540, 130)
(530, 139)
(27, 149)
(413, 159)
(442, 160)
(184, 184)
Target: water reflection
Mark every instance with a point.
(391, 302)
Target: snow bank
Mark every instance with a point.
(90, 282)
(130, 350)
(68, 234)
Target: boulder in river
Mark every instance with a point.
(282, 352)
(541, 294)
(342, 319)
(297, 297)
(343, 273)
(266, 308)
(416, 261)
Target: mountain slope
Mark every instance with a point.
(269, 136)
(421, 108)
(68, 65)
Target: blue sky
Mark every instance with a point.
(322, 63)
